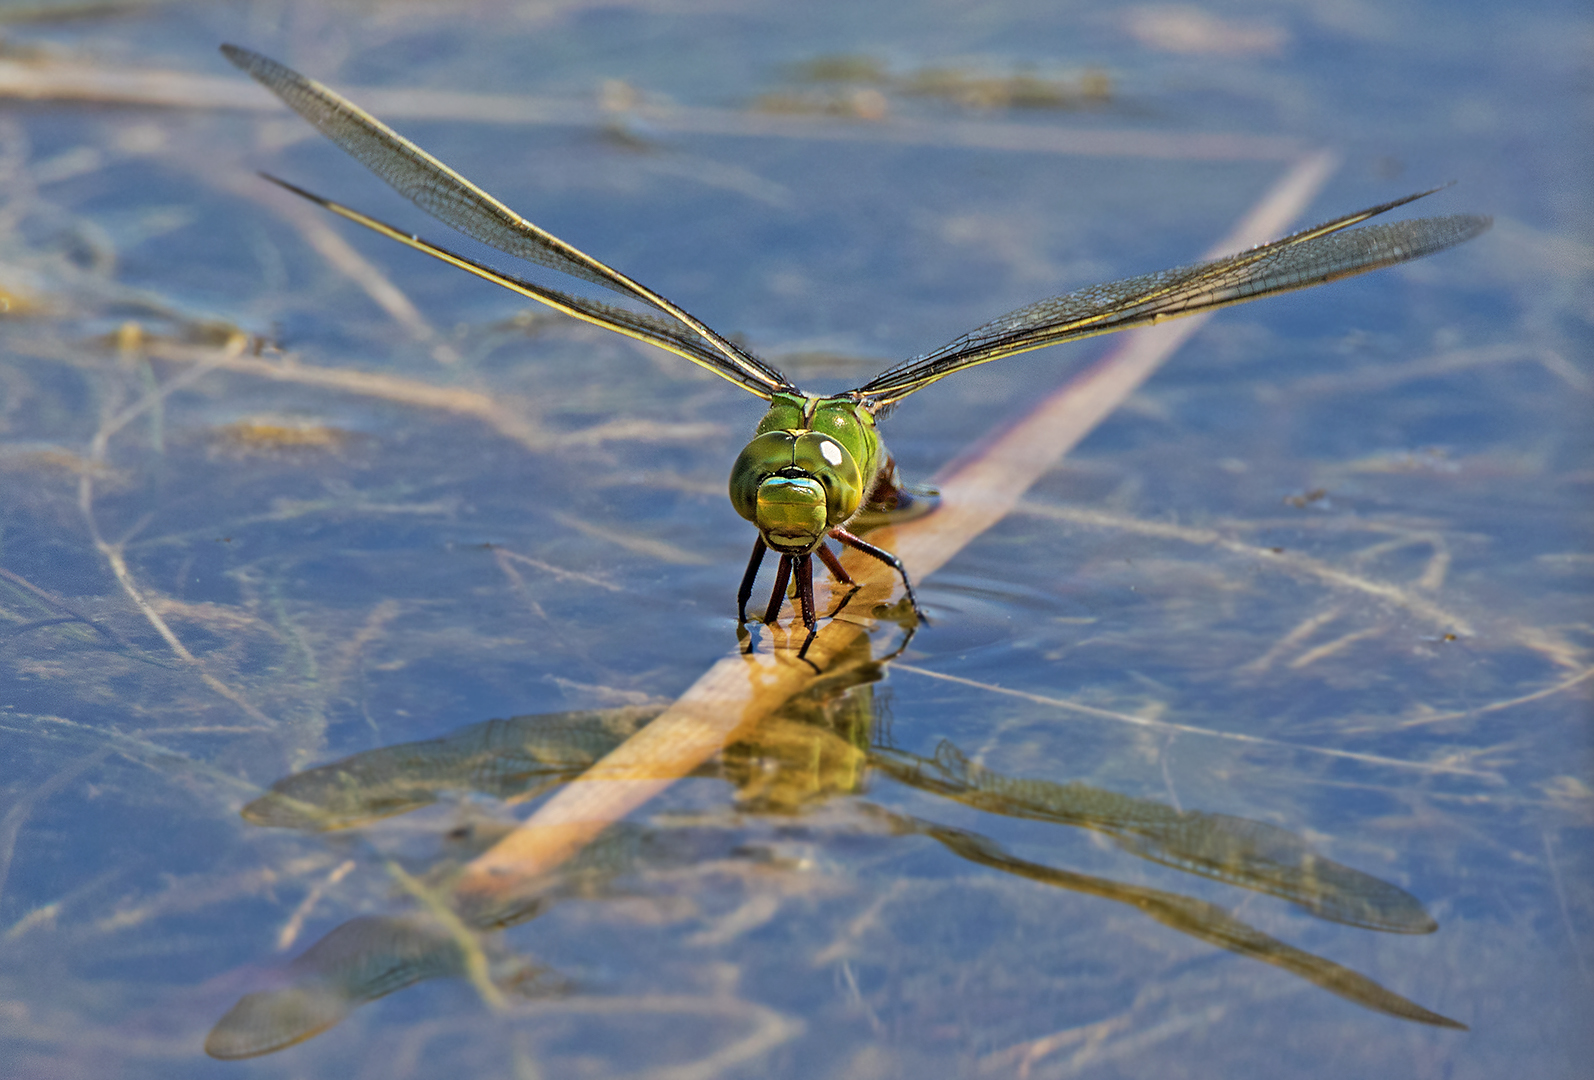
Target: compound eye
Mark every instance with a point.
(765, 456)
(839, 424)
(828, 461)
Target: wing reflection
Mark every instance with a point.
(362, 960)
(369, 957)
(512, 759)
(822, 746)
(1250, 854)
(1198, 919)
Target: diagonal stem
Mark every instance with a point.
(976, 492)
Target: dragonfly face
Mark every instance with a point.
(807, 470)
(816, 460)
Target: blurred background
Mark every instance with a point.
(274, 491)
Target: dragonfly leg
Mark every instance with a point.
(886, 557)
(805, 589)
(828, 557)
(805, 600)
(746, 591)
(782, 576)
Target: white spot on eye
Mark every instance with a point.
(830, 452)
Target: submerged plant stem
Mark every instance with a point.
(112, 553)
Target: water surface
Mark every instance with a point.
(1289, 661)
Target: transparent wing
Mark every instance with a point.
(454, 200)
(1311, 257)
(665, 333)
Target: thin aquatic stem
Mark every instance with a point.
(112, 553)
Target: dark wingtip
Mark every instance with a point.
(249, 61)
(301, 192)
(280, 182)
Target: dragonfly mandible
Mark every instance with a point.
(816, 461)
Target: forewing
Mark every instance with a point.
(454, 200)
(665, 333)
(1311, 257)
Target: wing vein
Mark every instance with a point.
(454, 200)
(1313, 256)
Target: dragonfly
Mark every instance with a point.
(816, 463)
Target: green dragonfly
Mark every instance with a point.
(816, 461)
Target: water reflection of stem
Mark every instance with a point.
(769, 1028)
(345, 259)
(1298, 635)
(1510, 703)
(290, 930)
(11, 823)
(1026, 1054)
(470, 947)
(71, 613)
(376, 385)
(1171, 727)
(38, 78)
(1287, 561)
(1566, 912)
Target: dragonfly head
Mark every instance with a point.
(794, 485)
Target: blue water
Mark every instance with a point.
(1336, 553)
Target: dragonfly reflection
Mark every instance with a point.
(823, 746)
